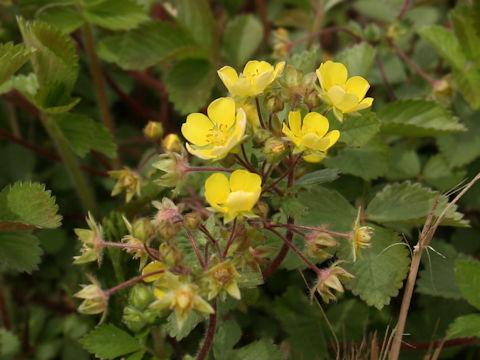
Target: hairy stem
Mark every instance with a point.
(208, 341)
(131, 281)
(195, 247)
(209, 168)
(129, 246)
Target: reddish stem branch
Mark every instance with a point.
(389, 87)
(195, 247)
(129, 246)
(203, 229)
(334, 233)
(231, 238)
(131, 281)
(207, 343)
(259, 112)
(403, 10)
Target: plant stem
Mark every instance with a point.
(389, 87)
(403, 10)
(209, 168)
(334, 233)
(208, 341)
(131, 281)
(284, 175)
(203, 229)
(128, 246)
(259, 112)
(231, 238)
(195, 247)
(98, 80)
(82, 186)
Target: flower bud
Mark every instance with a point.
(317, 242)
(274, 103)
(170, 254)
(172, 143)
(274, 150)
(360, 236)
(153, 130)
(260, 136)
(175, 168)
(261, 209)
(330, 279)
(92, 242)
(192, 220)
(95, 299)
(128, 181)
(136, 319)
(140, 296)
(280, 43)
(373, 33)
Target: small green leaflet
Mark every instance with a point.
(12, 58)
(464, 327)
(20, 250)
(115, 14)
(467, 273)
(358, 59)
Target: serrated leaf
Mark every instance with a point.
(417, 118)
(196, 17)
(243, 34)
(12, 58)
(380, 10)
(358, 59)
(189, 84)
(326, 207)
(137, 355)
(192, 320)
(445, 43)
(305, 61)
(404, 163)
(466, 81)
(463, 22)
(26, 84)
(378, 271)
(438, 174)
(84, 134)
(228, 334)
(9, 344)
(66, 18)
(467, 273)
(367, 162)
(26, 206)
(55, 63)
(359, 130)
(410, 203)
(258, 350)
(318, 177)
(147, 45)
(437, 278)
(108, 342)
(464, 327)
(20, 250)
(115, 14)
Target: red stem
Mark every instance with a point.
(131, 281)
(232, 237)
(344, 235)
(259, 112)
(129, 246)
(207, 343)
(195, 248)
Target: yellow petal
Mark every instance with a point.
(222, 112)
(358, 86)
(295, 122)
(217, 189)
(159, 293)
(341, 100)
(254, 67)
(314, 142)
(245, 180)
(279, 69)
(314, 158)
(331, 73)
(315, 123)
(240, 201)
(196, 128)
(263, 80)
(296, 140)
(152, 267)
(205, 154)
(365, 103)
(228, 75)
(333, 137)
(243, 87)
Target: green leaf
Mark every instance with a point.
(303, 322)
(197, 18)
(26, 205)
(189, 84)
(464, 327)
(305, 61)
(20, 250)
(417, 118)
(243, 34)
(26, 84)
(359, 130)
(404, 163)
(379, 10)
(467, 273)
(192, 320)
(66, 18)
(326, 207)
(358, 59)
(410, 203)
(137, 355)
(463, 21)
(445, 43)
(108, 342)
(12, 57)
(9, 344)
(467, 81)
(367, 162)
(261, 349)
(318, 177)
(55, 63)
(438, 174)
(151, 43)
(115, 14)
(379, 271)
(437, 278)
(228, 334)
(84, 134)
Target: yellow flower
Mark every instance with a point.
(361, 236)
(235, 197)
(213, 137)
(256, 76)
(310, 136)
(251, 112)
(343, 95)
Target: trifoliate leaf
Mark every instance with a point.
(417, 118)
(462, 148)
(243, 34)
(410, 203)
(437, 278)
(258, 350)
(25, 206)
(358, 59)
(438, 174)
(192, 320)
(379, 270)
(9, 344)
(228, 334)
(189, 84)
(318, 177)
(84, 134)
(464, 327)
(197, 19)
(20, 250)
(359, 130)
(367, 162)
(445, 43)
(467, 273)
(66, 18)
(115, 14)
(109, 342)
(12, 57)
(147, 45)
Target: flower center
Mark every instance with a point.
(218, 135)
